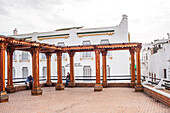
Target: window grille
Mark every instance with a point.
(24, 55)
(24, 72)
(108, 70)
(43, 56)
(13, 72)
(63, 71)
(86, 71)
(14, 56)
(104, 41)
(86, 54)
(44, 71)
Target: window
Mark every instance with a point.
(63, 71)
(44, 71)
(64, 55)
(104, 41)
(86, 54)
(146, 56)
(61, 44)
(14, 56)
(24, 72)
(24, 55)
(43, 56)
(13, 72)
(109, 53)
(86, 71)
(108, 70)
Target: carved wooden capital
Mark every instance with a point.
(3, 45)
(132, 51)
(137, 49)
(34, 50)
(59, 53)
(71, 54)
(48, 54)
(10, 51)
(97, 51)
(104, 53)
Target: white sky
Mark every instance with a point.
(148, 19)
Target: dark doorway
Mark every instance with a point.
(164, 73)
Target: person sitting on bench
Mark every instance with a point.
(67, 79)
(29, 81)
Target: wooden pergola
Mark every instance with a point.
(10, 44)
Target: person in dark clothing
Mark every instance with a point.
(67, 79)
(29, 81)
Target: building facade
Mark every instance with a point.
(156, 59)
(117, 61)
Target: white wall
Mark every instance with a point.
(118, 61)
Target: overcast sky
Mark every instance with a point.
(148, 19)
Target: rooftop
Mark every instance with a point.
(83, 100)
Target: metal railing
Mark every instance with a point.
(77, 78)
(155, 81)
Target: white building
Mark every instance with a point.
(156, 58)
(117, 61)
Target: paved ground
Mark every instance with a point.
(83, 100)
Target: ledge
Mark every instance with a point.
(160, 95)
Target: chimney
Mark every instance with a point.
(124, 16)
(15, 32)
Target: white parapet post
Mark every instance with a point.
(159, 86)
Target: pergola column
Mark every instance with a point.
(132, 53)
(98, 85)
(48, 82)
(104, 83)
(59, 85)
(138, 85)
(3, 94)
(72, 81)
(10, 87)
(36, 90)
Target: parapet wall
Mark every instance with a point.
(159, 95)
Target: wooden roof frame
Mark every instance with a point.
(25, 45)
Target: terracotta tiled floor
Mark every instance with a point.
(83, 100)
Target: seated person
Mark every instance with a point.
(67, 79)
(29, 81)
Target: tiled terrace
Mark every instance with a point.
(83, 100)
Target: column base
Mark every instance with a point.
(104, 84)
(59, 86)
(72, 84)
(48, 84)
(98, 87)
(36, 91)
(3, 96)
(139, 88)
(10, 89)
(132, 84)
